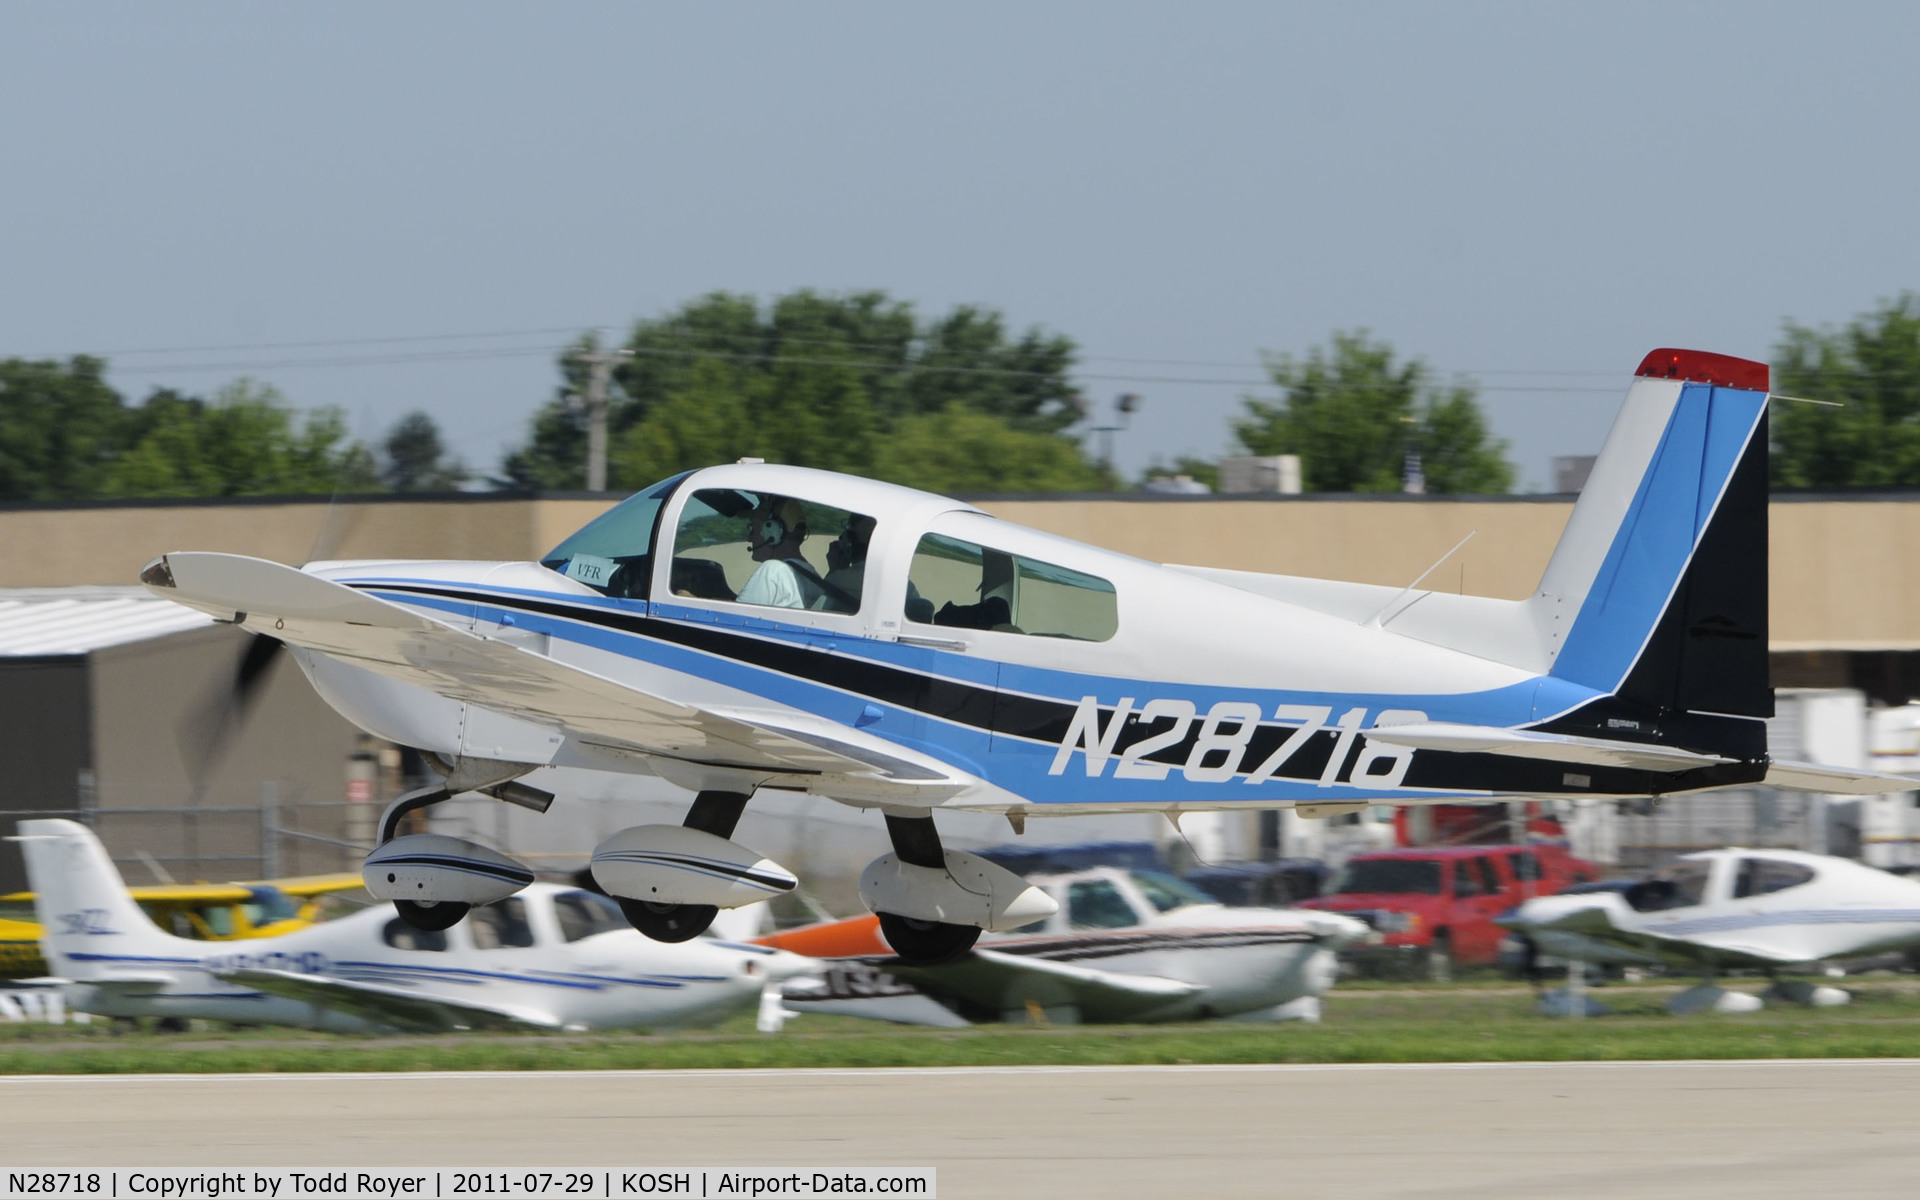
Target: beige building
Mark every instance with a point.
(1844, 567)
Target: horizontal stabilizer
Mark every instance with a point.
(1844, 781)
(1556, 747)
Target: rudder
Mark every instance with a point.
(1658, 589)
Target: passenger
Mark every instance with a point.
(847, 562)
(784, 579)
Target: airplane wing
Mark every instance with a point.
(331, 618)
(312, 885)
(1000, 982)
(1596, 922)
(1531, 743)
(1845, 781)
(189, 893)
(384, 1005)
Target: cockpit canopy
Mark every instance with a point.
(775, 549)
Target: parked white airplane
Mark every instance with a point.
(1123, 946)
(551, 957)
(1770, 909)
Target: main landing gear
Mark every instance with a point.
(713, 812)
(922, 942)
(672, 880)
(933, 903)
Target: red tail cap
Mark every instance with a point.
(1698, 366)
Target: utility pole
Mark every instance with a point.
(599, 375)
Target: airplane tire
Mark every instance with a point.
(927, 943)
(668, 922)
(431, 918)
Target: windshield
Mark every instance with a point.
(270, 904)
(1388, 876)
(1166, 893)
(613, 553)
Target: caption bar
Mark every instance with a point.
(444, 1183)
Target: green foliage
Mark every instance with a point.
(852, 383)
(1872, 369)
(1351, 413)
(66, 435)
(416, 459)
(245, 442)
(962, 450)
(58, 429)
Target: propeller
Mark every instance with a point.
(211, 727)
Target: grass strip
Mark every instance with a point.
(1416, 1025)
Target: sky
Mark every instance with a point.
(1532, 196)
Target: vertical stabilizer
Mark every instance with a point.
(87, 919)
(1657, 591)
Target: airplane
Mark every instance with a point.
(1768, 909)
(552, 957)
(1134, 946)
(754, 626)
(214, 912)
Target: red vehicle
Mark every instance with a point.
(1434, 905)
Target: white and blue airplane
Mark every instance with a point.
(755, 626)
(549, 958)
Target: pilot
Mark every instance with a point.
(784, 579)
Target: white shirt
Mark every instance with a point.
(780, 584)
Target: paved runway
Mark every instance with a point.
(1756, 1129)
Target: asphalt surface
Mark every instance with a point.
(1746, 1129)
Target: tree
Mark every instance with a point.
(824, 381)
(416, 460)
(1352, 413)
(245, 442)
(960, 450)
(1871, 370)
(59, 428)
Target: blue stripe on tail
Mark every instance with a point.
(1705, 437)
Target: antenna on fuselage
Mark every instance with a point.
(1375, 621)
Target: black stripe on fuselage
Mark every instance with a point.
(1047, 721)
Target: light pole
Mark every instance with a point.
(1124, 406)
(599, 375)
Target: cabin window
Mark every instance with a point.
(501, 926)
(1166, 893)
(584, 914)
(613, 553)
(1097, 904)
(965, 586)
(1762, 876)
(770, 550)
(402, 936)
(1681, 884)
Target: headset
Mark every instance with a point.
(772, 529)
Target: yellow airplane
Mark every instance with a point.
(208, 912)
